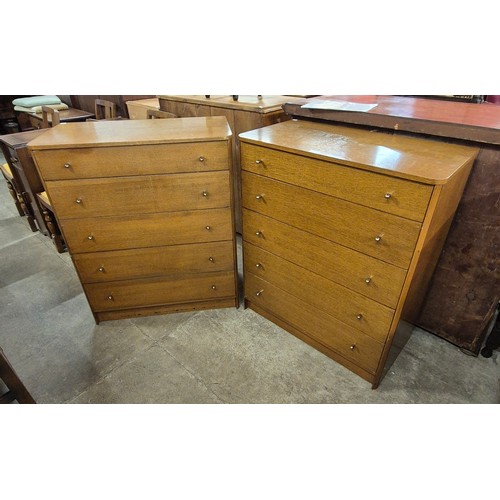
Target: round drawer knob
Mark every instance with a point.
(258, 266)
(211, 259)
(258, 233)
(110, 297)
(214, 287)
(78, 201)
(101, 269)
(387, 196)
(90, 237)
(359, 316)
(205, 193)
(352, 347)
(201, 158)
(259, 293)
(259, 162)
(208, 228)
(259, 197)
(378, 238)
(67, 165)
(368, 280)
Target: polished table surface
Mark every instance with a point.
(68, 115)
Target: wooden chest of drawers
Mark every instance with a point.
(146, 210)
(342, 229)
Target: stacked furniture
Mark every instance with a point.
(342, 229)
(145, 208)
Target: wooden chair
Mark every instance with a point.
(51, 222)
(16, 389)
(50, 117)
(14, 189)
(104, 110)
(156, 113)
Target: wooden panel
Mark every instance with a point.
(156, 261)
(349, 342)
(149, 230)
(131, 160)
(371, 277)
(389, 194)
(184, 109)
(353, 309)
(139, 195)
(340, 221)
(157, 291)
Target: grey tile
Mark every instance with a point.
(151, 377)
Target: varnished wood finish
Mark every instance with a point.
(465, 290)
(289, 208)
(50, 117)
(65, 116)
(146, 210)
(104, 109)
(247, 113)
(138, 109)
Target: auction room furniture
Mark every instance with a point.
(87, 102)
(342, 229)
(65, 116)
(137, 109)
(145, 209)
(247, 113)
(104, 110)
(25, 176)
(16, 390)
(50, 117)
(465, 289)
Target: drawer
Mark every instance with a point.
(149, 230)
(396, 196)
(372, 232)
(159, 291)
(139, 195)
(157, 261)
(351, 308)
(345, 340)
(118, 161)
(366, 275)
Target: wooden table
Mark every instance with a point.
(465, 289)
(249, 112)
(65, 115)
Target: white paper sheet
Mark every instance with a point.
(339, 105)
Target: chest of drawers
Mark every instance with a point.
(342, 229)
(146, 210)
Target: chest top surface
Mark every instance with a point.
(422, 160)
(132, 132)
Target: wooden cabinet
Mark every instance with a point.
(146, 210)
(342, 229)
(247, 113)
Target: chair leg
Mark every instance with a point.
(53, 231)
(17, 390)
(13, 193)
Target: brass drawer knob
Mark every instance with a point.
(259, 293)
(208, 228)
(101, 269)
(110, 297)
(67, 165)
(378, 238)
(368, 280)
(258, 265)
(259, 197)
(359, 317)
(201, 158)
(78, 201)
(259, 234)
(90, 237)
(259, 162)
(387, 196)
(352, 347)
(214, 287)
(205, 193)
(211, 259)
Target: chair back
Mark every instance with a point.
(104, 110)
(50, 117)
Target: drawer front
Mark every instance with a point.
(353, 309)
(150, 262)
(381, 235)
(366, 275)
(149, 230)
(118, 161)
(389, 194)
(347, 341)
(159, 291)
(139, 195)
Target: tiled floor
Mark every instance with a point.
(219, 356)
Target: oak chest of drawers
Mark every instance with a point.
(342, 229)
(145, 207)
